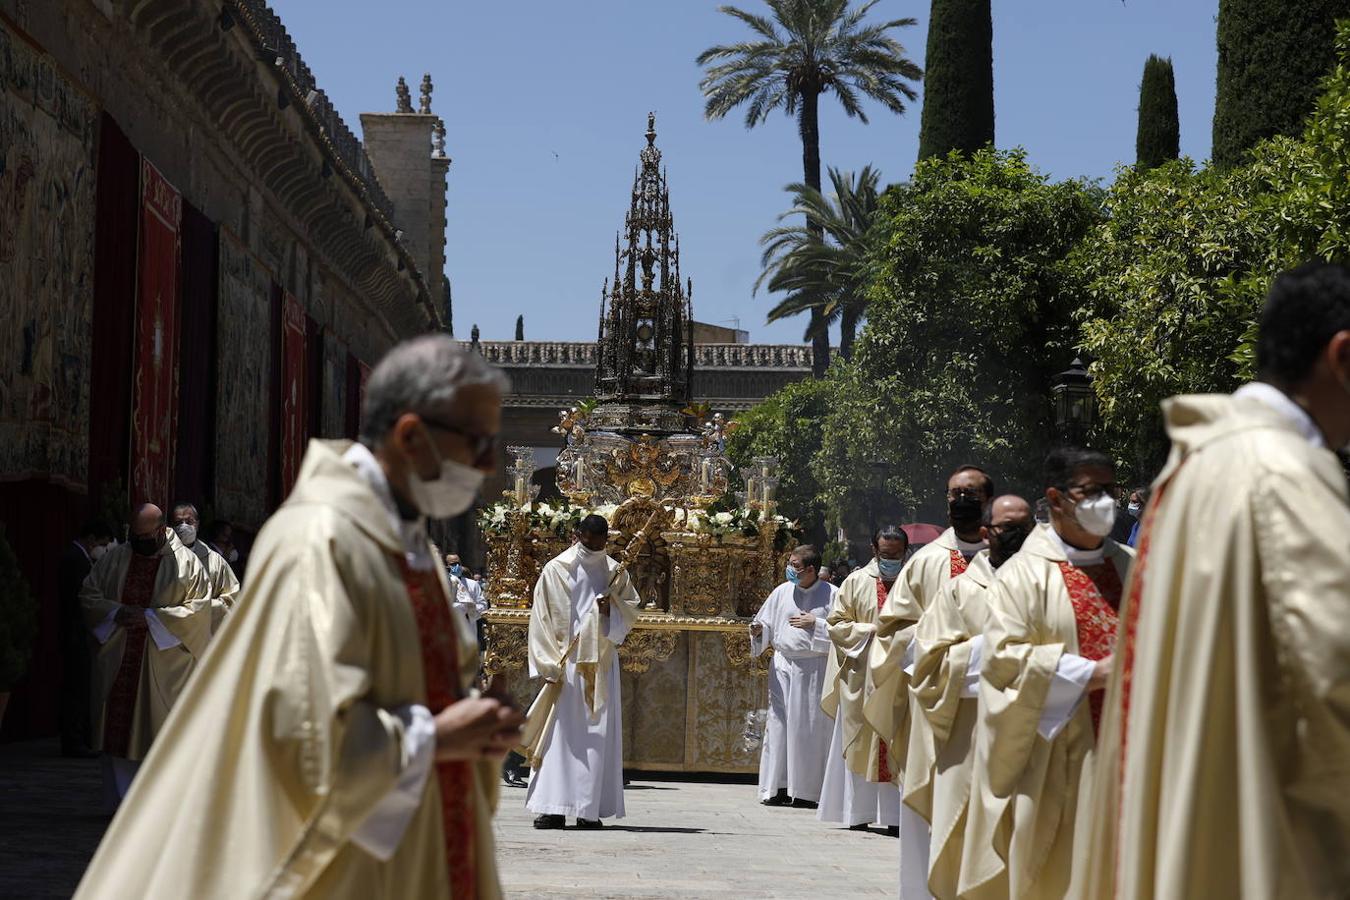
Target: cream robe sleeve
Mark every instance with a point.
(943, 642)
(1303, 534)
(184, 598)
(549, 629)
(886, 708)
(849, 632)
(1022, 655)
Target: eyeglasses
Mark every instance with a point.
(1090, 491)
(482, 446)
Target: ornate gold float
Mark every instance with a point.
(636, 450)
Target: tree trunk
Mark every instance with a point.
(808, 124)
(848, 331)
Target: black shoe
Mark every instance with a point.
(804, 804)
(779, 799)
(892, 831)
(861, 826)
(547, 821)
(590, 824)
(517, 781)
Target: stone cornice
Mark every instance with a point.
(582, 354)
(295, 150)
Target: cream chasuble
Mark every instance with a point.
(289, 744)
(852, 626)
(1230, 699)
(1034, 734)
(887, 706)
(224, 585)
(944, 685)
(180, 605)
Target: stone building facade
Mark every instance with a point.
(199, 261)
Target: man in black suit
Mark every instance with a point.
(76, 560)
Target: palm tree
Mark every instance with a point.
(807, 48)
(825, 271)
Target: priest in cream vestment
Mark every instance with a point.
(1048, 640)
(584, 606)
(186, 524)
(332, 743)
(148, 604)
(848, 795)
(944, 684)
(1225, 761)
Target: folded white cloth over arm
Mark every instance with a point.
(1066, 692)
(380, 833)
(104, 629)
(971, 687)
(158, 633)
(856, 651)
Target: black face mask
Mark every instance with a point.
(1003, 544)
(965, 511)
(146, 546)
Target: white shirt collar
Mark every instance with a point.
(968, 549)
(1077, 557)
(412, 533)
(1282, 403)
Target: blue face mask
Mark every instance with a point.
(457, 570)
(792, 575)
(890, 568)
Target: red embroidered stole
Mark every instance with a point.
(1095, 593)
(118, 713)
(959, 564)
(440, 666)
(883, 761)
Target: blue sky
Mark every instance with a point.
(545, 104)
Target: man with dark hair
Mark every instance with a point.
(1222, 769)
(969, 492)
(849, 795)
(334, 743)
(73, 567)
(584, 606)
(224, 586)
(944, 682)
(1048, 641)
(148, 605)
(797, 734)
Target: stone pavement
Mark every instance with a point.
(696, 840)
(680, 839)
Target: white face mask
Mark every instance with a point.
(1134, 509)
(97, 553)
(450, 494)
(187, 533)
(1096, 515)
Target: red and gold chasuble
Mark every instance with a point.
(883, 761)
(1095, 592)
(440, 666)
(959, 564)
(138, 591)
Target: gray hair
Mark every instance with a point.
(421, 376)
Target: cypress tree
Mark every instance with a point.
(1272, 56)
(958, 97)
(1159, 136)
(520, 328)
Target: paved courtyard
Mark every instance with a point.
(680, 839)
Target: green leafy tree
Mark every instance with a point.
(1272, 57)
(802, 50)
(1159, 136)
(825, 271)
(788, 426)
(970, 317)
(958, 101)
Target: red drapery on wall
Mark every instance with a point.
(155, 407)
(196, 435)
(294, 375)
(116, 216)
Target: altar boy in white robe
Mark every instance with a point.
(797, 734)
(576, 624)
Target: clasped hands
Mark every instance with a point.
(483, 727)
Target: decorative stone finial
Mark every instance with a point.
(651, 128)
(404, 104)
(439, 141)
(424, 106)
